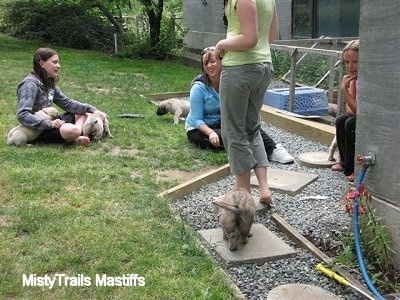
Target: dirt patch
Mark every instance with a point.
(181, 176)
(127, 152)
(135, 174)
(163, 175)
(5, 221)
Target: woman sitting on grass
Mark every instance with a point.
(203, 124)
(38, 90)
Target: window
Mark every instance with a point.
(333, 18)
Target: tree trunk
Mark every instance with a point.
(154, 10)
(118, 25)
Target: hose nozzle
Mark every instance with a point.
(366, 160)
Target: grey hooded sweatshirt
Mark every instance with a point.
(33, 96)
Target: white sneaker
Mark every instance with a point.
(280, 155)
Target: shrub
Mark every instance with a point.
(66, 25)
(137, 44)
(309, 71)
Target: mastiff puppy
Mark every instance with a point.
(95, 126)
(22, 134)
(237, 211)
(178, 107)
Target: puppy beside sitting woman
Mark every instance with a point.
(22, 135)
(39, 90)
(175, 106)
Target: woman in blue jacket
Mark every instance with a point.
(203, 124)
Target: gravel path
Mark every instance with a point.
(324, 220)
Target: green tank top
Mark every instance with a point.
(261, 52)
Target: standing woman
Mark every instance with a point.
(246, 74)
(39, 90)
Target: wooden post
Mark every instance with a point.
(293, 80)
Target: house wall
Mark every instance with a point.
(204, 23)
(284, 11)
(378, 121)
(206, 27)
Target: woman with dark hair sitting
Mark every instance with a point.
(39, 90)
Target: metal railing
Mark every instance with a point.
(334, 54)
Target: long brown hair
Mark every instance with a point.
(44, 54)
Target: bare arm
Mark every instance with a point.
(247, 14)
(213, 137)
(205, 129)
(274, 29)
(349, 92)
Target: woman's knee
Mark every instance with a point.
(350, 125)
(341, 120)
(70, 132)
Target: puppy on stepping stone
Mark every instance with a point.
(237, 210)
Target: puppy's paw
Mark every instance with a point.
(243, 240)
(176, 119)
(233, 246)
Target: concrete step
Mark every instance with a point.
(286, 182)
(263, 246)
(300, 292)
(317, 159)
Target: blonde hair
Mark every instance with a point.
(352, 45)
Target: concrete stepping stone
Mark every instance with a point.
(300, 292)
(263, 246)
(316, 159)
(286, 182)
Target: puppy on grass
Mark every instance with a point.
(22, 134)
(237, 211)
(178, 107)
(95, 126)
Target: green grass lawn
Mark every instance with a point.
(86, 211)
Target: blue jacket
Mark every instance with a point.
(204, 105)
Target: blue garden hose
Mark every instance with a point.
(368, 160)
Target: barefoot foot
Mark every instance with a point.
(266, 198)
(82, 140)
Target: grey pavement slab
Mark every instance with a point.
(263, 246)
(287, 182)
(300, 292)
(316, 159)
